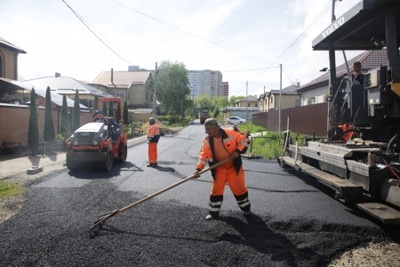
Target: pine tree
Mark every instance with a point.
(64, 118)
(118, 115)
(96, 102)
(104, 108)
(48, 133)
(33, 132)
(110, 109)
(126, 114)
(77, 111)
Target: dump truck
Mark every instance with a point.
(99, 143)
(204, 114)
(360, 156)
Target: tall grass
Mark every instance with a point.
(8, 189)
(267, 144)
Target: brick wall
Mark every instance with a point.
(14, 122)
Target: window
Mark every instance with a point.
(120, 94)
(311, 101)
(111, 92)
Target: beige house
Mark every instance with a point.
(270, 100)
(133, 86)
(9, 59)
(249, 101)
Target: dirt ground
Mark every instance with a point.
(374, 254)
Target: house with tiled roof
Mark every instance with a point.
(317, 90)
(132, 86)
(270, 100)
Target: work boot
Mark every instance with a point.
(210, 216)
(247, 213)
(152, 165)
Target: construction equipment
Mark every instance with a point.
(204, 114)
(360, 158)
(101, 142)
(98, 225)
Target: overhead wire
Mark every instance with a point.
(90, 29)
(188, 33)
(298, 38)
(271, 66)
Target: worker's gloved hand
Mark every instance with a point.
(196, 174)
(234, 155)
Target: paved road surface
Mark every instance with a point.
(296, 221)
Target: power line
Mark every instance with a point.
(188, 33)
(87, 26)
(290, 46)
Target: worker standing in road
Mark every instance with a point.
(221, 144)
(153, 135)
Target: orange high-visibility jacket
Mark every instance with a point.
(232, 140)
(153, 133)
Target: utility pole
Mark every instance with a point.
(280, 99)
(155, 94)
(332, 71)
(247, 103)
(182, 101)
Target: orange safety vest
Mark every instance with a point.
(232, 141)
(153, 133)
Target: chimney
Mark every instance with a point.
(57, 75)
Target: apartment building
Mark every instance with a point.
(205, 82)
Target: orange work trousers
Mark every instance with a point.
(152, 152)
(236, 181)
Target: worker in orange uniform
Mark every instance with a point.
(153, 135)
(218, 145)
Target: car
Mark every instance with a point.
(235, 120)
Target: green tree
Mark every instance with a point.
(15, 97)
(33, 132)
(49, 134)
(172, 87)
(110, 109)
(65, 119)
(204, 101)
(96, 102)
(77, 111)
(233, 99)
(126, 114)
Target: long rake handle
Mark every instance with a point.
(117, 211)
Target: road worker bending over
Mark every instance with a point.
(221, 144)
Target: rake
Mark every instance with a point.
(98, 225)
